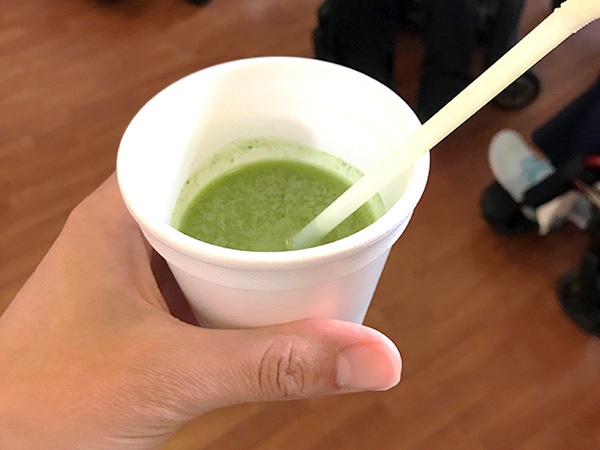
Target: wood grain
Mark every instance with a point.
(490, 362)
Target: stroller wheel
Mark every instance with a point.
(520, 93)
(502, 213)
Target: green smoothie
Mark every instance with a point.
(261, 205)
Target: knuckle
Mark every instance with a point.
(285, 370)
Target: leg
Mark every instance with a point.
(573, 129)
(449, 40)
(505, 27)
(359, 34)
(587, 138)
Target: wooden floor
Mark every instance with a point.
(490, 362)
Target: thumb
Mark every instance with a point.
(304, 359)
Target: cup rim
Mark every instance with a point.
(242, 259)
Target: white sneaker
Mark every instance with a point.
(514, 164)
(517, 168)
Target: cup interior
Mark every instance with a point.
(319, 104)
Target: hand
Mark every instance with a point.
(90, 356)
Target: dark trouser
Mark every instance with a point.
(574, 131)
(450, 38)
(359, 34)
(568, 139)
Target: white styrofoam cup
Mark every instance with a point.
(323, 105)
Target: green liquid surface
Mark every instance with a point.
(261, 205)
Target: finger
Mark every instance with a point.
(300, 360)
(104, 232)
(103, 250)
(107, 217)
